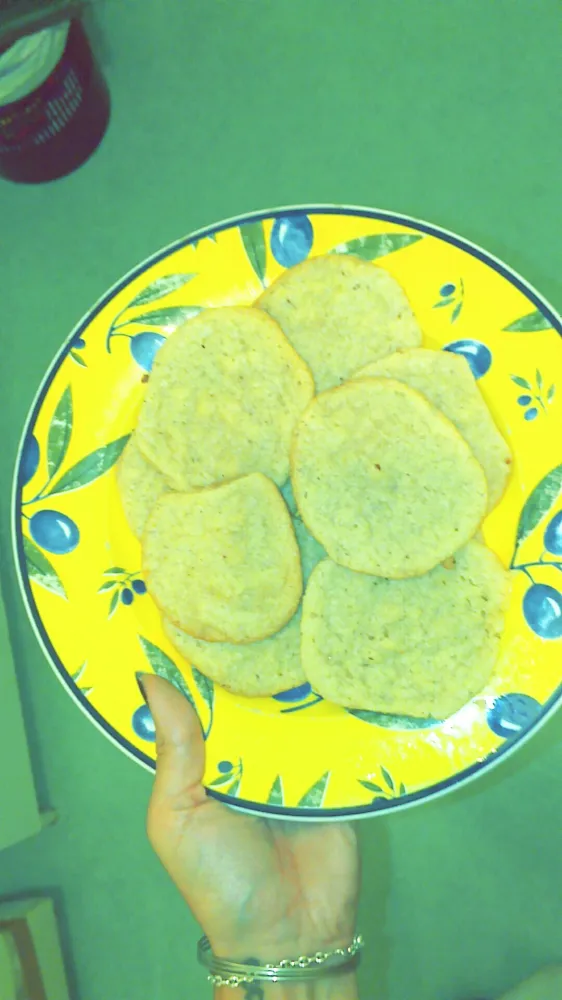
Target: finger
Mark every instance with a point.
(179, 744)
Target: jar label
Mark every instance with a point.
(39, 117)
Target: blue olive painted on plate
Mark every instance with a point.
(143, 724)
(139, 586)
(29, 459)
(127, 596)
(294, 694)
(531, 413)
(477, 354)
(553, 535)
(145, 347)
(447, 290)
(225, 766)
(53, 531)
(291, 239)
(542, 607)
(79, 344)
(511, 713)
(524, 400)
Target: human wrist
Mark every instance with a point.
(332, 971)
(272, 947)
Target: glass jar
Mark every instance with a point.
(54, 104)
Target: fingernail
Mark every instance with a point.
(139, 676)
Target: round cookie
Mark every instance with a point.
(223, 564)
(225, 392)
(255, 669)
(446, 380)
(383, 480)
(340, 312)
(140, 485)
(420, 647)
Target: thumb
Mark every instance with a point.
(179, 744)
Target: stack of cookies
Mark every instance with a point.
(307, 480)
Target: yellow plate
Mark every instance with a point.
(79, 565)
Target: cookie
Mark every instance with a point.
(257, 668)
(254, 669)
(420, 647)
(445, 379)
(340, 312)
(225, 392)
(383, 480)
(223, 564)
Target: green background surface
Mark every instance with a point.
(447, 111)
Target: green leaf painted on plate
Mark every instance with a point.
(392, 721)
(114, 571)
(205, 687)
(39, 569)
(233, 788)
(539, 379)
(522, 382)
(550, 393)
(90, 468)
(387, 777)
(275, 797)
(371, 787)
(443, 303)
(59, 433)
(113, 604)
(253, 238)
(108, 585)
(161, 287)
(377, 245)
(538, 504)
(212, 237)
(76, 357)
(402, 789)
(172, 316)
(78, 674)
(86, 691)
(165, 667)
(456, 312)
(223, 779)
(314, 798)
(530, 323)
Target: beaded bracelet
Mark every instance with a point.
(223, 972)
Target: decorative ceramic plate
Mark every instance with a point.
(79, 565)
